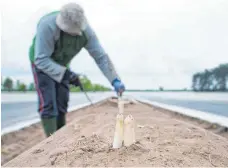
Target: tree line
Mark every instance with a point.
(215, 79)
(9, 85)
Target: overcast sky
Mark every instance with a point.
(152, 43)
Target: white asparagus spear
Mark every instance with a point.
(129, 130)
(118, 136)
(121, 106)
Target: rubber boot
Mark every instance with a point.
(61, 120)
(49, 125)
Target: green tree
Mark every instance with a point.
(206, 80)
(89, 86)
(18, 85)
(196, 81)
(8, 84)
(98, 87)
(86, 83)
(2, 87)
(31, 87)
(22, 87)
(161, 88)
(221, 76)
(215, 79)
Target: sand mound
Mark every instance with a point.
(161, 140)
(94, 151)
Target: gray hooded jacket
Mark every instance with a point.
(51, 44)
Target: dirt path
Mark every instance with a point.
(163, 141)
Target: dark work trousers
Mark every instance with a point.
(53, 97)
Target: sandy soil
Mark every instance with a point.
(162, 140)
(14, 143)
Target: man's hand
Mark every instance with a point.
(73, 78)
(119, 86)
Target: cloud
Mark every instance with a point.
(151, 43)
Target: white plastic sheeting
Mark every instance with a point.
(203, 115)
(24, 124)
